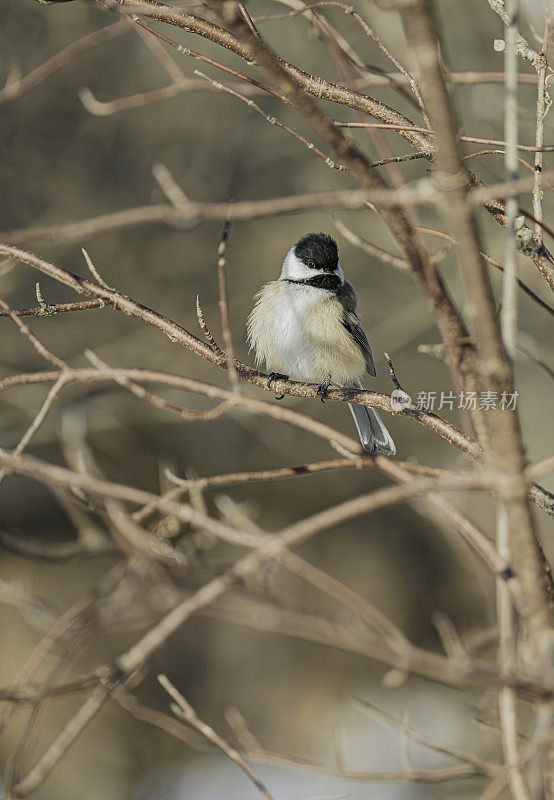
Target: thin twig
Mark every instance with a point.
(66, 55)
(207, 333)
(63, 741)
(93, 271)
(154, 399)
(158, 719)
(224, 307)
(384, 718)
(422, 192)
(183, 709)
(521, 45)
(39, 417)
(334, 588)
(500, 433)
(508, 314)
(260, 754)
(179, 334)
(170, 187)
(507, 655)
(172, 70)
(35, 342)
(272, 120)
(49, 310)
(543, 105)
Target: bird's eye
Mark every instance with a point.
(311, 263)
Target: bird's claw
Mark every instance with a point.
(322, 389)
(276, 376)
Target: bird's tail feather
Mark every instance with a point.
(373, 434)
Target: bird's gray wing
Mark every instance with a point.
(354, 327)
(347, 298)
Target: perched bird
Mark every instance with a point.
(304, 327)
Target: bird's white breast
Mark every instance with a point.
(297, 330)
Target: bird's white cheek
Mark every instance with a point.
(294, 269)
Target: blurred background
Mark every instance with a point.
(61, 163)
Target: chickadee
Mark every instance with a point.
(304, 327)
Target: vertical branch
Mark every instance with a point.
(38, 418)
(36, 343)
(499, 429)
(504, 451)
(507, 649)
(224, 306)
(541, 768)
(508, 316)
(543, 102)
(183, 709)
(63, 742)
(507, 659)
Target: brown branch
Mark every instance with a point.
(56, 552)
(154, 399)
(183, 709)
(183, 486)
(50, 310)
(273, 121)
(384, 718)
(325, 90)
(196, 213)
(298, 532)
(521, 44)
(69, 621)
(294, 90)
(310, 84)
(63, 741)
(176, 333)
(370, 33)
(334, 588)
(371, 399)
(395, 261)
(420, 193)
(249, 47)
(35, 342)
(141, 99)
(193, 54)
(427, 776)
(224, 307)
(425, 663)
(20, 86)
(159, 720)
(39, 417)
(32, 695)
(342, 49)
(500, 432)
(543, 105)
(412, 775)
(473, 139)
(106, 108)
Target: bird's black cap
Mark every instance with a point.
(318, 251)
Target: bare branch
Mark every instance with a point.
(65, 56)
(183, 709)
(389, 720)
(500, 432)
(35, 342)
(272, 120)
(224, 307)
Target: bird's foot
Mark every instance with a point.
(276, 376)
(322, 389)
